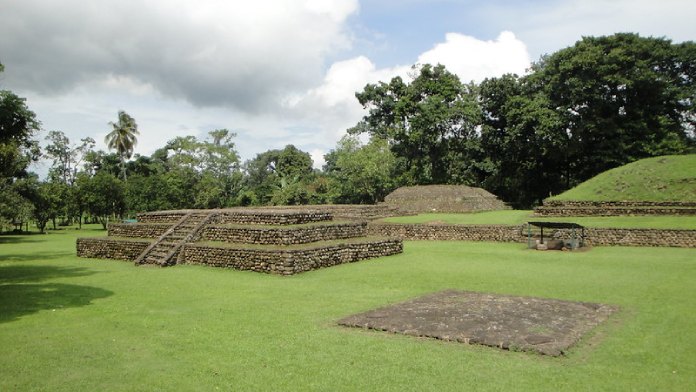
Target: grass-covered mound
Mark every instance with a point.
(661, 179)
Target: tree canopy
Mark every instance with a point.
(429, 123)
(601, 103)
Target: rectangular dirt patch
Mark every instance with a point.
(547, 326)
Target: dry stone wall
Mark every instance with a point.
(288, 262)
(244, 216)
(284, 236)
(357, 212)
(498, 233)
(161, 216)
(270, 230)
(138, 230)
(611, 204)
(107, 248)
(641, 237)
(613, 208)
(503, 233)
(271, 217)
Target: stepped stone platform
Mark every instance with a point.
(282, 241)
(443, 198)
(614, 208)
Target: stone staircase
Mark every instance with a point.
(164, 251)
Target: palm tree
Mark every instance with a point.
(122, 138)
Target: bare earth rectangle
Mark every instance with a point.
(547, 326)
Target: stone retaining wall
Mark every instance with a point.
(614, 208)
(498, 233)
(161, 216)
(352, 211)
(271, 217)
(609, 204)
(138, 230)
(288, 262)
(641, 237)
(244, 216)
(106, 248)
(504, 233)
(284, 236)
(613, 211)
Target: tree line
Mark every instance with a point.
(601, 103)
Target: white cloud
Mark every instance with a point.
(318, 158)
(549, 26)
(333, 108)
(209, 52)
(474, 59)
(265, 69)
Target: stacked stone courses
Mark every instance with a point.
(420, 232)
(613, 208)
(284, 236)
(271, 240)
(110, 248)
(137, 230)
(517, 233)
(289, 261)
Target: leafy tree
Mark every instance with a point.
(523, 141)
(210, 169)
(15, 209)
(97, 161)
(360, 174)
(67, 158)
(18, 149)
(622, 97)
(123, 138)
(104, 196)
(429, 123)
(278, 176)
(601, 103)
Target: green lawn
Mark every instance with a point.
(518, 217)
(71, 324)
(665, 178)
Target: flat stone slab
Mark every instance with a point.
(546, 326)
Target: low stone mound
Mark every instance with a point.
(443, 198)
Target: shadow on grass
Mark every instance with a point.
(35, 273)
(21, 238)
(23, 290)
(35, 256)
(17, 300)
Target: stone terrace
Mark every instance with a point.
(272, 240)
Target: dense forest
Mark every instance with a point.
(602, 103)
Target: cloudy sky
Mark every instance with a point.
(277, 72)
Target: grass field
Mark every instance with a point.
(518, 217)
(71, 324)
(666, 178)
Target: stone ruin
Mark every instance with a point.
(542, 325)
(281, 241)
(443, 198)
(614, 208)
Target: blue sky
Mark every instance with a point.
(276, 72)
